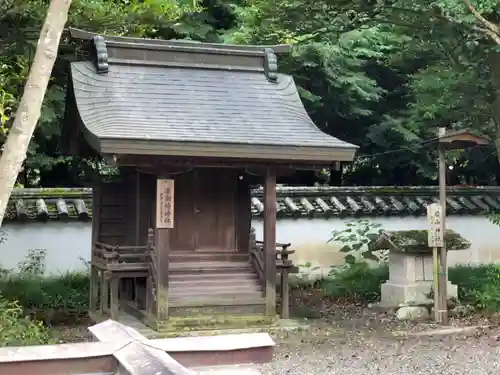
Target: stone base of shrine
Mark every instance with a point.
(411, 281)
(396, 295)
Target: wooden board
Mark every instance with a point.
(165, 204)
(435, 232)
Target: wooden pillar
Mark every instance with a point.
(114, 303)
(96, 213)
(104, 306)
(285, 294)
(138, 212)
(94, 285)
(270, 241)
(162, 242)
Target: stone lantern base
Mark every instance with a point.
(410, 280)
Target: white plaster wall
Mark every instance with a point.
(68, 243)
(309, 238)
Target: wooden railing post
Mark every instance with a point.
(253, 240)
(94, 288)
(285, 292)
(114, 301)
(151, 238)
(104, 305)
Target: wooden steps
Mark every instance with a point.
(179, 325)
(212, 289)
(207, 256)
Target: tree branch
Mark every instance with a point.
(490, 25)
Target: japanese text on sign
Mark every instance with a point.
(435, 232)
(165, 204)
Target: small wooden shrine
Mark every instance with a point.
(187, 124)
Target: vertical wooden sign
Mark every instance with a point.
(164, 204)
(435, 232)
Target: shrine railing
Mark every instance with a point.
(284, 266)
(120, 258)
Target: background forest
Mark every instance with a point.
(381, 74)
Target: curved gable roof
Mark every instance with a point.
(182, 99)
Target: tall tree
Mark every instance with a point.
(28, 112)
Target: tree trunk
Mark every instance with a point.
(28, 113)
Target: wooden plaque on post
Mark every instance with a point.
(435, 233)
(164, 204)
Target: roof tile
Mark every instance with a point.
(294, 202)
(196, 105)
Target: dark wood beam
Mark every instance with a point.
(270, 240)
(155, 164)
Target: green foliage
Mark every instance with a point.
(399, 70)
(20, 24)
(357, 281)
(52, 299)
(495, 218)
(18, 330)
(356, 239)
(478, 286)
(380, 74)
(34, 263)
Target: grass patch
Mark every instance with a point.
(17, 330)
(54, 300)
(357, 281)
(478, 286)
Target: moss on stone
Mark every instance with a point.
(194, 323)
(415, 241)
(50, 193)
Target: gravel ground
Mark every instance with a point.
(350, 339)
(358, 353)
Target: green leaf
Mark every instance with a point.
(350, 259)
(345, 249)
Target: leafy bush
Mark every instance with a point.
(357, 281)
(18, 330)
(51, 298)
(356, 239)
(48, 298)
(478, 285)
(34, 263)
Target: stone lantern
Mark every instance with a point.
(411, 268)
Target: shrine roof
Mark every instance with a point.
(179, 98)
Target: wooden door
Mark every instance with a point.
(215, 211)
(181, 236)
